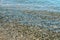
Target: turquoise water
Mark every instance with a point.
(51, 5)
(14, 10)
(40, 2)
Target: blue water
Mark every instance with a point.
(40, 2)
(52, 5)
(49, 5)
(56, 2)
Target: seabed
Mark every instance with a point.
(29, 24)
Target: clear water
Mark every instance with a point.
(52, 5)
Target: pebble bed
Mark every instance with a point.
(18, 24)
(49, 20)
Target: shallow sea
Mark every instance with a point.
(51, 5)
(16, 9)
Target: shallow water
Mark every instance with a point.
(15, 10)
(51, 5)
(40, 18)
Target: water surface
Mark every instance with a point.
(51, 5)
(14, 9)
